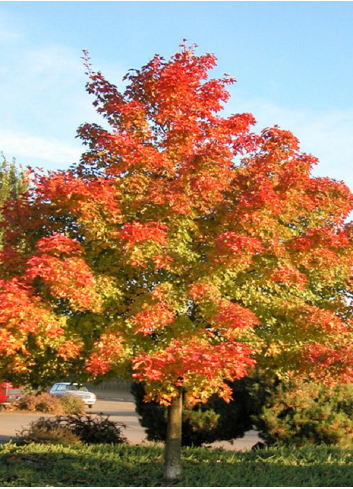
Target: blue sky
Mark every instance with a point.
(293, 62)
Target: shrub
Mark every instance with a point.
(72, 405)
(43, 402)
(95, 429)
(73, 429)
(48, 430)
(203, 423)
(291, 414)
(307, 413)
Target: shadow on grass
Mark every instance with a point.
(131, 466)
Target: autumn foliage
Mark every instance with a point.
(184, 247)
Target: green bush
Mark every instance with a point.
(203, 423)
(71, 404)
(291, 414)
(43, 402)
(73, 429)
(48, 430)
(307, 413)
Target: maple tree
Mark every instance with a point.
(184, 249)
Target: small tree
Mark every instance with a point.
(13, 183)
(182, 249)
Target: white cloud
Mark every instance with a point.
(40, 85)
(10, 29)
(26, 147)
(47, 83)
(43, 100)
(8, 36)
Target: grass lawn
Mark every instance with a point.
(133, 466)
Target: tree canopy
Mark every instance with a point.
(183, 244)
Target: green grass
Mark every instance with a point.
(142, 466)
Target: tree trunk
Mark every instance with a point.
(172, 461)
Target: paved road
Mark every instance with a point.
(122, 411)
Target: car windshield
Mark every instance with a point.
(76, 388)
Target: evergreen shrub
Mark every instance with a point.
(291, 414)
(203, 423)
(302, 413)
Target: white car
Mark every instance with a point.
(65, 388)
